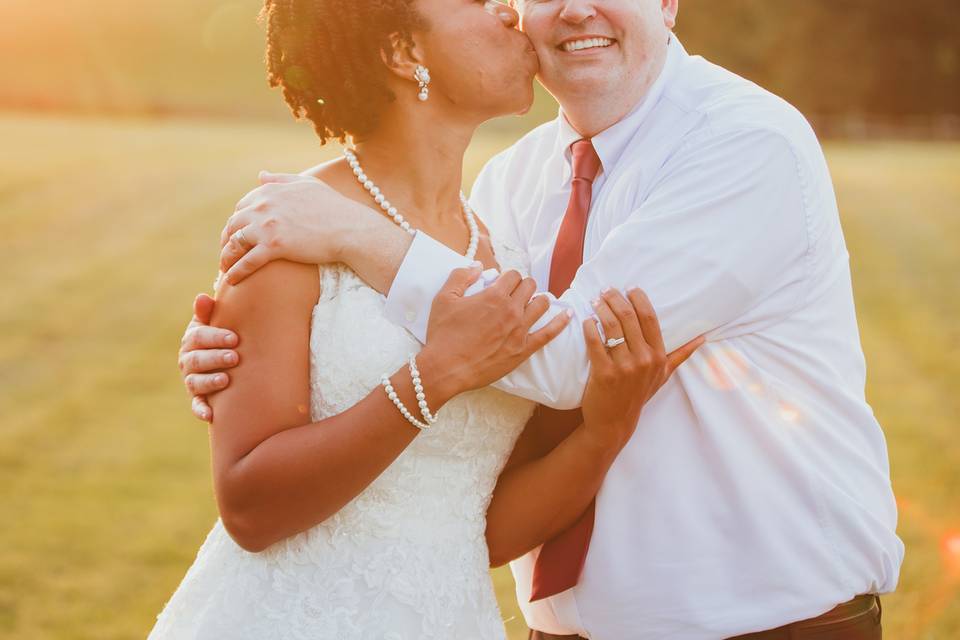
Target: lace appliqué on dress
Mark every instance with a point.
(406, 559)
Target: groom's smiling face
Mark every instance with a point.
(590, 48)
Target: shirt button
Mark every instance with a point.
(411, 316)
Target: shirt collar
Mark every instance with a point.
(612, 141)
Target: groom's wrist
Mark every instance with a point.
(353, 234)
(350, 244)
(372, 245)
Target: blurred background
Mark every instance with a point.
(128, 132)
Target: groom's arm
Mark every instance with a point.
(725, 227)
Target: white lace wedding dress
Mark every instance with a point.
(406, 559)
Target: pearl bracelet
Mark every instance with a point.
(398, 403)
(428, 417)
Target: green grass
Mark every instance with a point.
(108, 228)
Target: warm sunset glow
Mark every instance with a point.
(789, 413)
(131, 130)
(726, 369)
(951, 545)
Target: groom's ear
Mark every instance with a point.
(670, 8)
(403, 56)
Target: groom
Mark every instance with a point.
(754, 496)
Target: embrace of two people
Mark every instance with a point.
(628, 365)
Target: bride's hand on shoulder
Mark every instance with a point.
(626, 374)
(473, 341)
(292, 217)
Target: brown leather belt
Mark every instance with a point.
(844, 613)
(840, 616)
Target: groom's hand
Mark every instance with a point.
(291, 217)
(205, 353)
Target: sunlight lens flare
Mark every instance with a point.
(951, 549)
(725, 369)
(789, 413)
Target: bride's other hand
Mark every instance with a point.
(205, 354)
(624, 377)
(289, 216)
(473, 341)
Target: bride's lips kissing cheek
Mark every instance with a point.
(521, 46)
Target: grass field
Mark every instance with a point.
(108, 229)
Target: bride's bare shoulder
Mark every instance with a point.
(279, 289)
(339, 176)
(318, 170)
(335, 172)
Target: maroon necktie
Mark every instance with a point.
(561, 559)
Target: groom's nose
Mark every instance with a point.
(577, 11)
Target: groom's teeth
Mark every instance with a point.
(588, 43)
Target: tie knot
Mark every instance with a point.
(586, 162)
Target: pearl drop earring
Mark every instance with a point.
(422, 76)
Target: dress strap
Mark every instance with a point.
(330, 275)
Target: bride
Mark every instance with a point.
(354, 469)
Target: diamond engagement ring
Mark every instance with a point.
(241, 238)
(615, 342)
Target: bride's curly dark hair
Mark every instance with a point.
(325, 57)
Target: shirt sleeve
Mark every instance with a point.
(719, 245)
(425, 268)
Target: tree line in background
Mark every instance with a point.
(897, 57)
(851, 61)
(892, 61)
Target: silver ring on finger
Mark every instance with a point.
(615, 342)
(241, 239)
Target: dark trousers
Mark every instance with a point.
(858, 619)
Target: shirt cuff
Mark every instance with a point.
(424, 271)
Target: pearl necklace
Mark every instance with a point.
(391, 210)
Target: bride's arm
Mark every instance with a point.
(277, 474)
(559, 462)
(542, 491)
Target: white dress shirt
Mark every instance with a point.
(755, 491)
